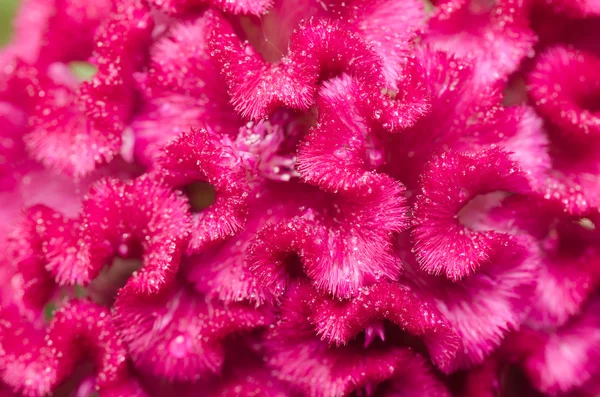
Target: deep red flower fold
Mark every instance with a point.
(316, 368)
(200, 156)
(341, 321)
(179, 334)
(225, 270)
(483, 380)
(118, 219)
(250, 381)
(272, 252)
(34, 364)
(443, 245)
(564, 86)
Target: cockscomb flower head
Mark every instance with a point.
(289, 198)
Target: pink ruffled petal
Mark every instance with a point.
(117, 218)
(355, 222)
(575, 8)
(563, 286)
(349, 258)
(93, 117)
(315, 368)
(63, 138)
(568, 102)
(496, 35)
(485, 306)
(181, 89)
(270, 34)
(568, 277)
(519, 131)
(528, 144)
(43, 30)
(41, 363)
(29, 29)
(81, 16)
(32, 284)
(24, 182)
(15, 105)
(569, 357)
(254, 7)
(455, 110)
(389, 26)
(13, 124)
(199, 156)
(258, 88)
(333, 51)
(180, 335)
(18, 368)
(568, 192)
(402, 106)
(442, 244)
(255, 87)
(568, 255)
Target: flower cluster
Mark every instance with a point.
(300, 198)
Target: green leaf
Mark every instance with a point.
(83, 70)
(49, 310)
(7, 12)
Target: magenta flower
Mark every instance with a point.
(300, 198)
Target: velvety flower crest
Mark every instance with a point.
(300, 198)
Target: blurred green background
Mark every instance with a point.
(7, 11)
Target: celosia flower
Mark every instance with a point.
(495, 34)
(317, 367)
(300, 198)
